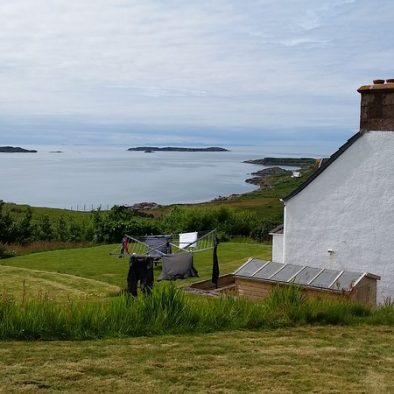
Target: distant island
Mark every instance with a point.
(150, 149)
(13, 149)
(302, 162)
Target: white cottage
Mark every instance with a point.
(342, 217)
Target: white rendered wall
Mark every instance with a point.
(349, 209)
(277, 248)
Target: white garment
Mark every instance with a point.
(188, 240)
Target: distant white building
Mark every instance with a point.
(342, 217)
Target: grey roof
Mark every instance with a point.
(277, 230)
(322, 278)
(324, 164)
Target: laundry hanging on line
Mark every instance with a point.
(140, 270)
(215, 264)
(125, 245)
(177, 266)
(158, 245)
(188, 240)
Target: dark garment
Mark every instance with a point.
(215, 264)
(177, 266)
(141, 270)
(158, 245)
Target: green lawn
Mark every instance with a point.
(24, 283)
(299, 360)
(96, 263)
(354, 359)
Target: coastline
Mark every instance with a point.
(77, 180)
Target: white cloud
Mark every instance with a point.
(253, 64)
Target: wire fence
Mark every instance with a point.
(88, 207)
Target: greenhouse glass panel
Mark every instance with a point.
(250, 268)
(286, 273)
(325, 278)
(346, 281)
(268, 270)
(306, 275)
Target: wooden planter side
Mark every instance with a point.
(365, 292)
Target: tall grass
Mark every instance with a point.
(385, 314)
(169, 311)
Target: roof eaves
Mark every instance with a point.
(372, 276)
(366, 275)
(324, 165)
(277, 230)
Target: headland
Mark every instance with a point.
(15, 149)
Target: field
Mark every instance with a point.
(23, 282)
(296, 360)
(96, 264)
(354, 358)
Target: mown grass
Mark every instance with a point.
(169, 311)
(20, 283)
(326, 359)
(96, 262)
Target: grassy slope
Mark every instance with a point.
(310, 359)
(339, 359)
(23, 282)
(265, 203)
(54, 213)
(96, 263)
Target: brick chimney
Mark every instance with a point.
(377, 106)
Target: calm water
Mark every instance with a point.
(84, 178)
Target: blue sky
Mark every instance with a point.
(129, 72)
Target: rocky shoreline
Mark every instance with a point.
(260, 178)
(302, 162)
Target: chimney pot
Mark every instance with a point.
(378, 81)
(390, 80)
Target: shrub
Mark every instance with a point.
(6, 252)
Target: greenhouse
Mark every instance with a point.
(256, 278)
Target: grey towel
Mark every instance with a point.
(177, 266)
(157, 244)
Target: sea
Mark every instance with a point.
(84, 178)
